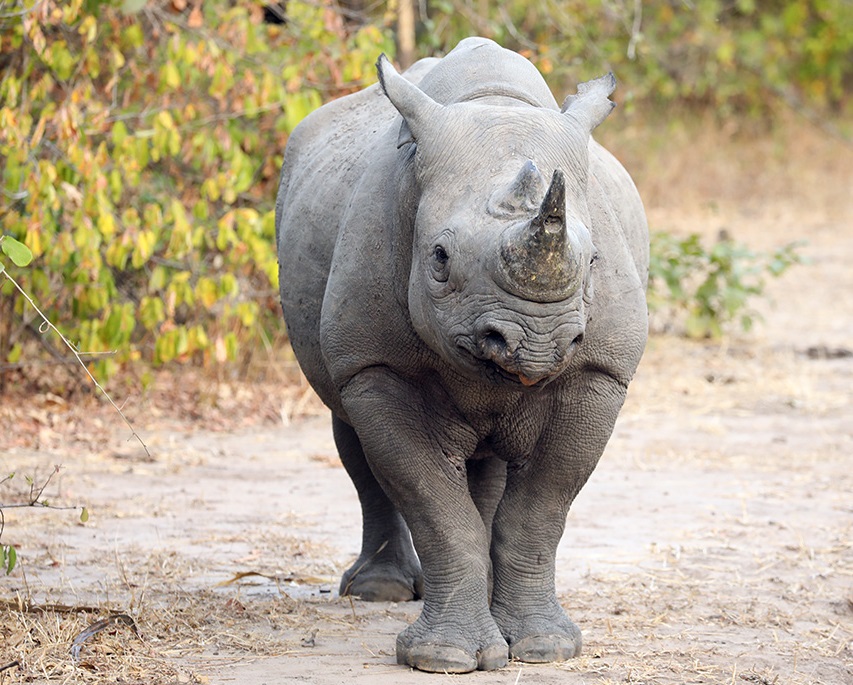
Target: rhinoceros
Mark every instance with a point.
(463, 273)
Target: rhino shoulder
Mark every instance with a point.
(612, 190)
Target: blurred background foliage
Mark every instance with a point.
(140, 141)
(730, 55)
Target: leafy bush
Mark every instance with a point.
(710, 288)
(140, 147)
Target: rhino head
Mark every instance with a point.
(500, 279)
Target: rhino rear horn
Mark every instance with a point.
(522, 195)
(591, 104)
(418, 109)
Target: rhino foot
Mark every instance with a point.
(438, 653)
(535, 639)
(540, 649)
(375, 581)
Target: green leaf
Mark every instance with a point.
(10, 558)
(84, 515)
(15, 353)
(19, 253)
(151, 312)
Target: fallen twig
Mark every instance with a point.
(97, 627)
(24, 606)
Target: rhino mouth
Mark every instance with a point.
(498, 373)
(516, 378)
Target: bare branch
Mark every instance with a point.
(38, 505)
(22, 12)
(34, 499)
(636, 28)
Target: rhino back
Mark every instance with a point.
(613, 185)
(324, 159)
(330, 169)
(479, 68)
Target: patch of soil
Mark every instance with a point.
(714, 544)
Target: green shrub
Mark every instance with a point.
(709, 289)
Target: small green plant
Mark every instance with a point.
(8, 558)
(8, 553)
(711, 288)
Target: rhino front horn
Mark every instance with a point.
(537, 258)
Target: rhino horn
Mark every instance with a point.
(520, 196)
(538, 258)
(591, 104)
(419, 110)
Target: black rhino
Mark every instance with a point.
(463, 275)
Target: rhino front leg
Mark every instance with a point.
(387, 570)
(419, 459)
(531, 517)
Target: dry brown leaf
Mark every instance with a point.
(195, 20)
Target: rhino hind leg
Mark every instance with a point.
(486, 481)
(387, 570)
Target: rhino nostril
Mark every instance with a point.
(491, 344)
(493, 339)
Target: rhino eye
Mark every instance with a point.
(594, 258)
(440, 259)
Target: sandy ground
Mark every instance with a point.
(714, 544)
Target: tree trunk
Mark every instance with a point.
(405, 33)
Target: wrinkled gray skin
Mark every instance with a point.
(463, 278)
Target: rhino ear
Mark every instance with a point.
(591, 105)
(418, 109)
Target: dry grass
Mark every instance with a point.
(173, 624)
(184, 629)
(663, 623)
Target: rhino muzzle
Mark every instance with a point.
(541, 260)
(508, 352)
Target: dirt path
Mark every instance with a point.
(714, 544)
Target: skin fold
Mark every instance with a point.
(463, 275)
